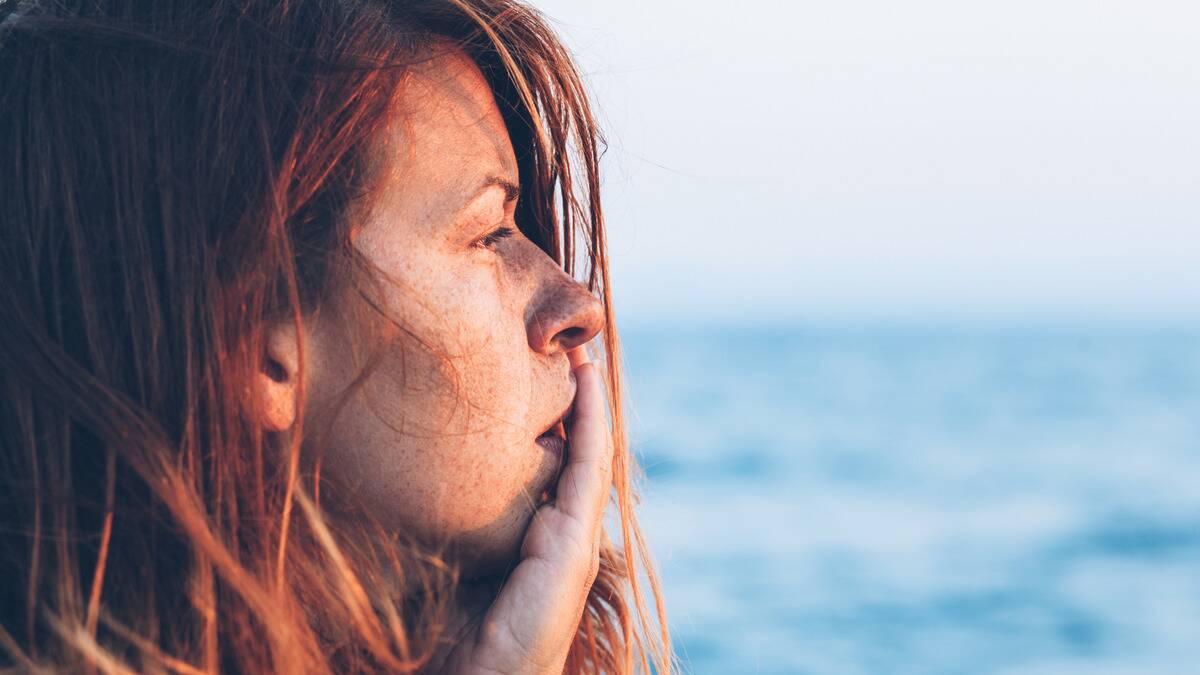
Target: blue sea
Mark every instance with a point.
(881, 499)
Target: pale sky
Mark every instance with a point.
(865, 158)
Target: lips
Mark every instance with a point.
(554, 439)
(555, 433)
(554, 442)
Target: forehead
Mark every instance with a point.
(444, 133)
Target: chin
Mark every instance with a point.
(495, 548)
(492, 551)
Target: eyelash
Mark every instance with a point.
(495, 236)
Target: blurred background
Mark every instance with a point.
(910, 297)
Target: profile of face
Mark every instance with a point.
(471, 327)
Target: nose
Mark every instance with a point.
(565, 316)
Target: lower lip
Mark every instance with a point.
(552, 444)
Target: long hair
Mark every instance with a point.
(174, 176)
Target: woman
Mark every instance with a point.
(293, 355)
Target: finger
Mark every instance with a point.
(583, 487)
(578, 356)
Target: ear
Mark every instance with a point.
(276, 387)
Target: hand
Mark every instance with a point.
(530, 626)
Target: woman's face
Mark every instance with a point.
(440, 440)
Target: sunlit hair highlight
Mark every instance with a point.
(177, 175)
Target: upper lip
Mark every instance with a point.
(554, 426)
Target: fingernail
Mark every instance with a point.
(578, 356)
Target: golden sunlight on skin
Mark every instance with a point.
(440, 441)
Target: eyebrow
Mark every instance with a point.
(511, 190)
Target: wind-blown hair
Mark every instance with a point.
(175, 175)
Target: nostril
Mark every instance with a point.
(569, 336)
(564, 316)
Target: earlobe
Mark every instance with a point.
(276, 387)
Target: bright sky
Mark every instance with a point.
(866, 158)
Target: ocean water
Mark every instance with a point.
(906, 499)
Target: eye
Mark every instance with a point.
(494, 237)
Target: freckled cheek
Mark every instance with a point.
(416, 459)
(495, 365)
(488, 474)
(447, 487)
(469, 471)
(481, 462)
(475, 490)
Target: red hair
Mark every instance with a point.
(177, 175)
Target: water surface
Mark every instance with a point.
(900, 499)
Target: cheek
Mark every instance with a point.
(439, 441)
(436, 465)
(482, 463)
